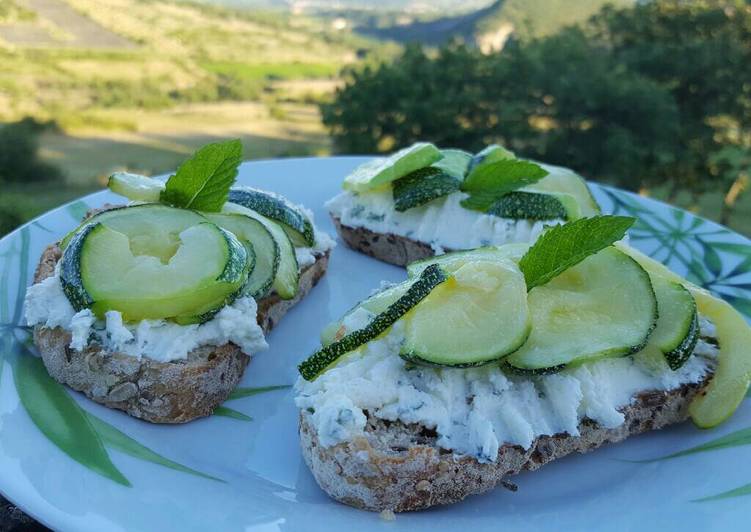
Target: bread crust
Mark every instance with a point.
(400, 467)
(394, 249)
(159, 392)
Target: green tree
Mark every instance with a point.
(700, 53)
(574, 104)
(418, 96)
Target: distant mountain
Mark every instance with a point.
(343, 6)
(490, 27)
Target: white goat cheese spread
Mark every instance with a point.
(158, 340)
(306, 256)
(442, 223)
(476, 411)
(323, 242)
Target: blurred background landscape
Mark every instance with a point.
(651, 96)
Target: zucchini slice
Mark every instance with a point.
(490, 154)
(563, 180)
(378, 172)
(254, 233)
(602, 307)
(135, 187)
(157, 224)
(327, 356)
(677, 329)
(449, 262)
(478, 316)
(278, 208)
(287, 278)
(423, 186)
(730, 382)
(375, 304)
(456, 259)
(104, 268)
(455, 162)
(525, 205)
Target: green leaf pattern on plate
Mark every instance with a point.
(734, 439)
(116, 439)
(224, 411)
(736, 492)
(58, 416)
(240, 391)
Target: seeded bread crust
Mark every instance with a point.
(394, 249)
(400, 467)
(159, 392)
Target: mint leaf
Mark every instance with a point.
(564, 246)
(203, 181)
(489, 182)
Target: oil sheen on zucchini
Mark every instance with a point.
(328, 355)
(134, 273)
(479, 315)
(602, 307)
(161, 222)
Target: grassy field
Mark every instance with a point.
(164, 138)
(108, 54)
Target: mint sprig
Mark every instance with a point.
(489, 182)
(565, 246)
(203, 181)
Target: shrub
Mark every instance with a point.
(19, 157)
(14, 210)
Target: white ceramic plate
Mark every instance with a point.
(131, 475)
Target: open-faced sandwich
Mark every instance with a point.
(155, 307)
(492, 361)
(423, 201)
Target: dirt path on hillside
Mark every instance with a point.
(75, 29)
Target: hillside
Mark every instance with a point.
(490, 27)
(138, 84)
(69, 56)
(327, 6)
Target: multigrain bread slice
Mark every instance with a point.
(394, 249)
(400, 467)
(160, 392)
